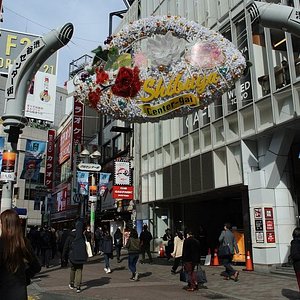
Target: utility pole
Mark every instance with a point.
(19, 78)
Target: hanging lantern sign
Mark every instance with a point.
(159, 68)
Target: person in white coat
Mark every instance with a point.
(177, 252)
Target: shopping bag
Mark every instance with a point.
(183, 275)
(88, 249)
(201, 275)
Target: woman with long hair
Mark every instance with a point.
(177, 252)
(18, 263)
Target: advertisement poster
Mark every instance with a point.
(8, 166)
(122, 172)
(83, 182)
(40, 103)
(103, 182)
(34, 153)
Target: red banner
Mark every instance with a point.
(65, 144)
(50, 159)
(77, 123)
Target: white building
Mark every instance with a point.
(237, 160)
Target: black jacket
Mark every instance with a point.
(191, 250)
(13, 285)
(75, 245)
(106, 244)
(295, 254)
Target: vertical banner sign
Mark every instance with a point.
(8, 166)
(269, 222)
(34, 154)
(65, 144)
(103, 182)
(122, 172)
(50, 159)
(77, 123)
(83, 182)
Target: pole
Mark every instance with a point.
(19, 78)
(93, 209)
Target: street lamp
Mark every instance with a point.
(93, 168)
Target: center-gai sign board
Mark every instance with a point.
(89, 167)
(158, 68)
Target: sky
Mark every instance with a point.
(90, 19)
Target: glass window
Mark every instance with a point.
(260, 54)
(242, 44)
(107, 151)
(159, 159)
(151, 161)
(280, 58)
(175, 146)
(195, 141)
(185, 146)
(206, 115)
(167, 155)
(158, 135)
(117, 145)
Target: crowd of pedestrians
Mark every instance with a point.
(21, 258)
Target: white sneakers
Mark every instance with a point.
(136, 277)
(107, 270)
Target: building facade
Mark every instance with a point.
(237, 160)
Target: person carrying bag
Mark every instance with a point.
(226, 251)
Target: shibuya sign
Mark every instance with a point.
(159, 68)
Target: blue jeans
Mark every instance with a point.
(132, 260)
(106, 260)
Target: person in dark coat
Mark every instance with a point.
(169, 247)
(75, 246)
(295, 253)
(145, 239)
(18, 262)
(63, 258)
(106, 246)
(118, 242)
(190, 259)
(46, 246)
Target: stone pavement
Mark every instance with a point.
(156, 282)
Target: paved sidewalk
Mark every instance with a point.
(156, 282)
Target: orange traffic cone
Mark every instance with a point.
(161, 251)
(215, 261)
(249, 265)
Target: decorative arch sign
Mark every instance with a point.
(159, 68)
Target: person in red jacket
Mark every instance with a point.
(190, 259)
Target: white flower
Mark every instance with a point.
(165, 49)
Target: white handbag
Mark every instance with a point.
(88, 248)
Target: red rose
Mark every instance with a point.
(94, 97)
(127, 83)
(101, 76)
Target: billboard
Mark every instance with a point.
(40, 102)
(11, 45)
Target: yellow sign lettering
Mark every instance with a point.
(157, 89)
(10, 44)
(170, 105)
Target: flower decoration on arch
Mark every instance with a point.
(159, 68)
